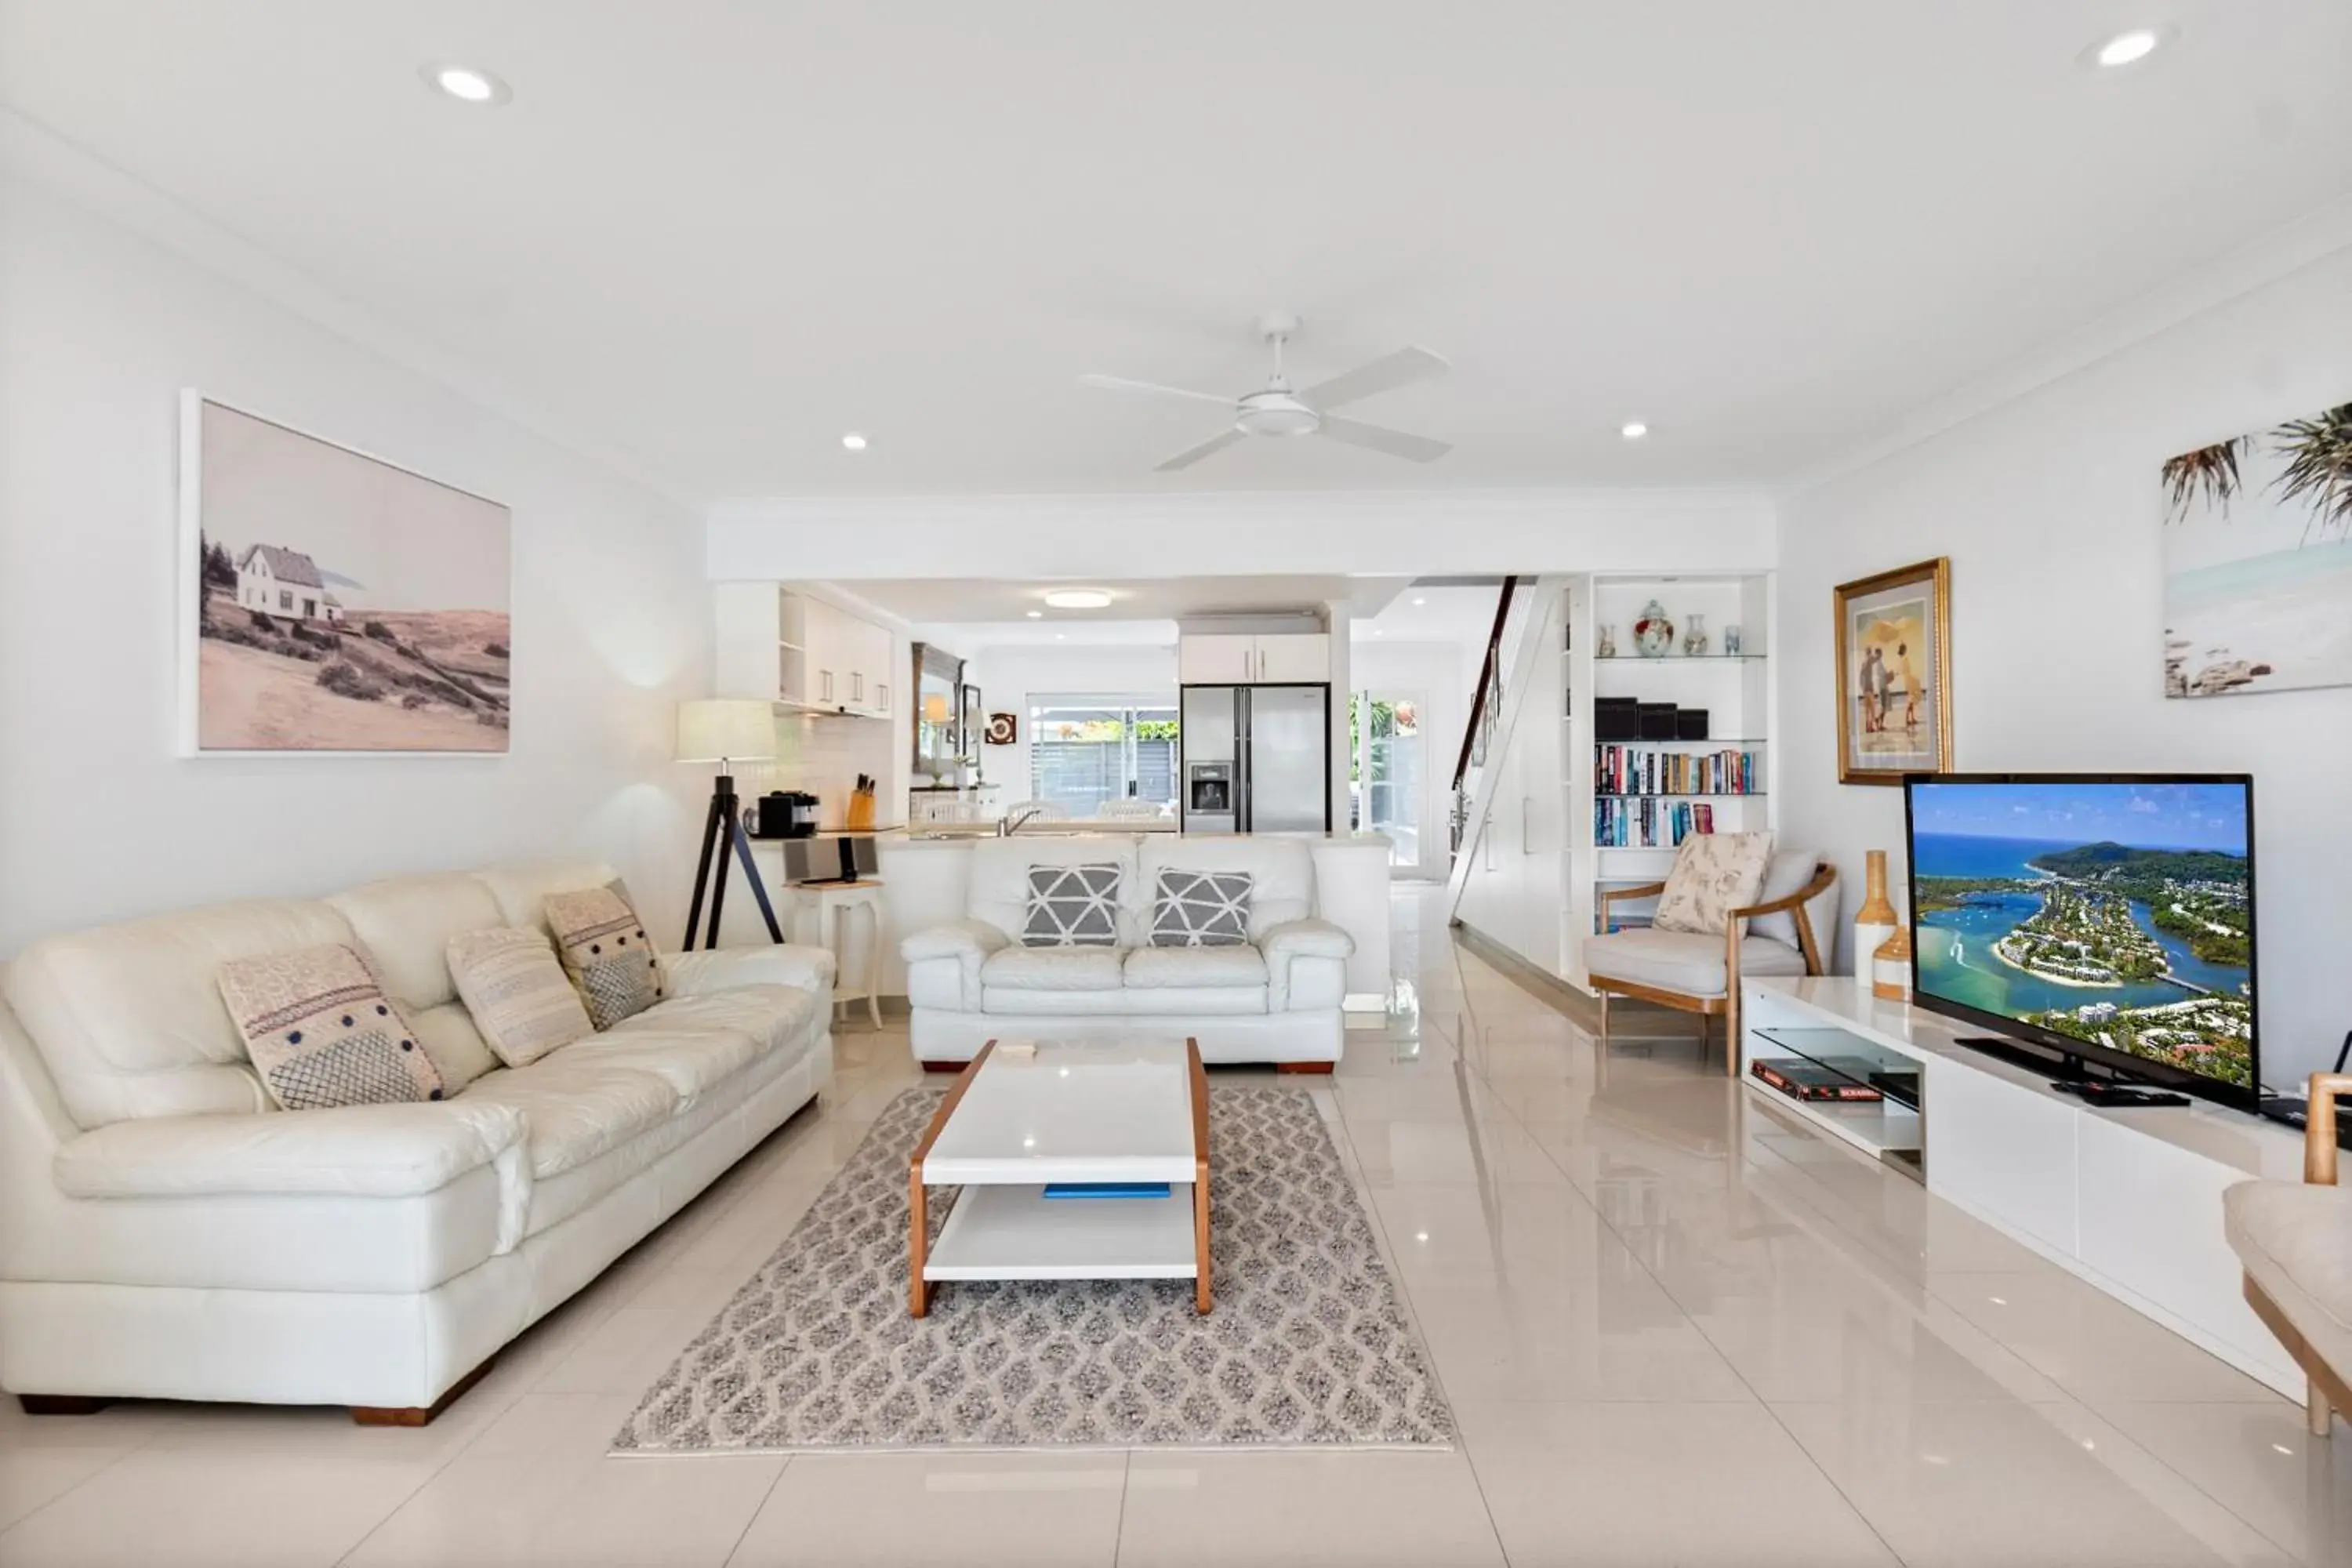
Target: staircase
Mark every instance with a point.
(1523, 634)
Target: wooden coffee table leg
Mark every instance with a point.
(1201, 1299)
(918, 1291)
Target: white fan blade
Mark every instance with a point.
(1401, 368)
(1120, 384)
(1380, 438)
(1191, 455)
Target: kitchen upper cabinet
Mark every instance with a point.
(1226, 659)
(792, 648)
(1294, 657)
(1218, 660)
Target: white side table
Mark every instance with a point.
(832, 899)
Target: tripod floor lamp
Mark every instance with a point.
(725, 730)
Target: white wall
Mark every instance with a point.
(100, 330)
(2049, 508)
(1010, 674)
(1388, 533)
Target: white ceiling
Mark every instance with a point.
(712, 236)
(1444, 615)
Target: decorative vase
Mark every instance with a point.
(1731, 644)
(1874, 921)
(1891, 967)
(1695, 637)
(1607, 647)
(1654, 634)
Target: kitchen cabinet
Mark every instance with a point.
(1224, 658)
(1218, 660)
(1294, 656)
(802, 652)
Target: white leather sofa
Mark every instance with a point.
(1275, 999)
(165, 1232)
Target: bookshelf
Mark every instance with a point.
(1628, 802)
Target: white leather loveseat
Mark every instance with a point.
(165, 1233)
(1275, 998)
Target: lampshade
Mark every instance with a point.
(935, 708)
(725, 728)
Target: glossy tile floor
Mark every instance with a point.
(1674, 1330)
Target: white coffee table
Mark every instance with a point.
(1020, 1117)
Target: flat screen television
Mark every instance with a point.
(2110, 918)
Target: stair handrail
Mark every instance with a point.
(1486, 681)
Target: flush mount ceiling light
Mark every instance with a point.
(467, 84)
(854, 441)
(2126, 48)
(1078, 598)
(1632, 430)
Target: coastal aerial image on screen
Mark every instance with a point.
(2114, 913)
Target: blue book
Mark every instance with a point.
(1106, 1189)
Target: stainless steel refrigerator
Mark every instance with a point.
(1257, 759)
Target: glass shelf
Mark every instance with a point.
(1679, 658)
(1854, 1059)
(1679, 794)
(1723, 742)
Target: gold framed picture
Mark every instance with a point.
(1895, 674)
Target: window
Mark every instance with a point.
(310, 606)
(285, 598)
(1084, 751)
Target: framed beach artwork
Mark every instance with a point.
(333, 601)
(1895, 674)
(2258, 560)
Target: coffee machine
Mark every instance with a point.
(785, 813)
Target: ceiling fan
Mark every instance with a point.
(1279, 411)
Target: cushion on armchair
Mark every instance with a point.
(1713, 874)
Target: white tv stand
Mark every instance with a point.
(2130, 1200)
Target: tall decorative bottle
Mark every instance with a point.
(1874, 921)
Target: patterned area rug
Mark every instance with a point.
(1309, 1345)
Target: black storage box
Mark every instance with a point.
(1690, 723)
(1658, 721)
(1616, 719)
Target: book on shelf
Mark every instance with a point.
(1648, 770)
(1807, 1080)
(1648, 821)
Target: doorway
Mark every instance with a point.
(1387, 771)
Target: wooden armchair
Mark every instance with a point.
(2294, 1240)
(1693, 972)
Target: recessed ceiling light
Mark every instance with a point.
(1061, 637)
(467, 84)
(1633, 430)
(1376, 631)
(2124, 49)
(1036, 615)
(1419, 600)
(854, 441)
(1078, 598)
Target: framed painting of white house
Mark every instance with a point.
(2258, 560)
(333, 601)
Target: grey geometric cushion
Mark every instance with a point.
(1072, 906)
(1202, 909)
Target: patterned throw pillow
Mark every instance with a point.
(1202, 909)
(518, 994)
(1713, 874)
(606, 952)
(1072, 906)
(321, 1032)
